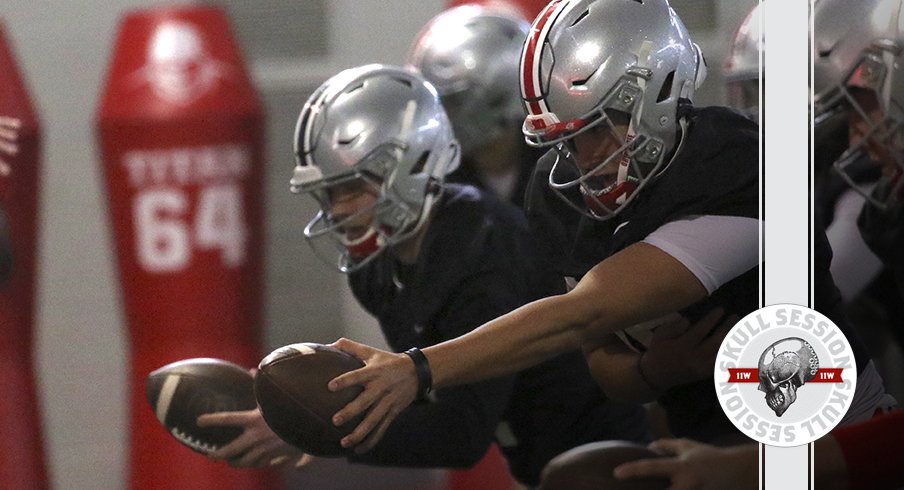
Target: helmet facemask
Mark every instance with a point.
(379, 130)
(613, 183)
(353, 240)
(350, 241)
(582, 61)
(884, 135)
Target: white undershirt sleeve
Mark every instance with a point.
(716, 249)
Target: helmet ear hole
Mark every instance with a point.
(666, 90)
(421, 162)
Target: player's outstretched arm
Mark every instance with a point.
(639, 283)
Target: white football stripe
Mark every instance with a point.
(302, 348)
(166, 397)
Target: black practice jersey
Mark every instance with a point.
(887, 289)
(716, 173)
(478, 262)
(883, 231)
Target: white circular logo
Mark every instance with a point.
(785, 375)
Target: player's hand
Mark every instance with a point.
(390, 385)
(694, 465)
(257, 447)
(681, 353)
(9, 135)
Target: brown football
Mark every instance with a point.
(589, 467)
(291, 390)
(181, 391)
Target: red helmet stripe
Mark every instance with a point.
(530, 81)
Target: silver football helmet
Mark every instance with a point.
(470, 54)
(742, 66)
(858, 46)
(600, 62)
(382, 126)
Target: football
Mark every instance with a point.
(181, 391)
(291, 390)
(589, 467)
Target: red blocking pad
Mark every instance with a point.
(491, 473)
(181, 135)
(21, 448)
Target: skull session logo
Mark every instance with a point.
(785, 375)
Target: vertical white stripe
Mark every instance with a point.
(760, 116)
(316, 105)
(304, 349)
(561, 9)
(787, 185)
(812, 465)
(407, 119)
(166, 397)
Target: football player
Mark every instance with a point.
(849, 150)
(857, 79)
(431, 261)
(470, 54)
(650, 203)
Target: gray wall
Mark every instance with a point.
(64, 48)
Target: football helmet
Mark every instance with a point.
(589, 63)
(742, 66)
(383, 127)
(470, 54)
(858, 46)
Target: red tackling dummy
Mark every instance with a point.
(21, 451)
(180, 128)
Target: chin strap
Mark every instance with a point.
(606, 202)
(363, 247)
(375, 240)
(682, 123)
